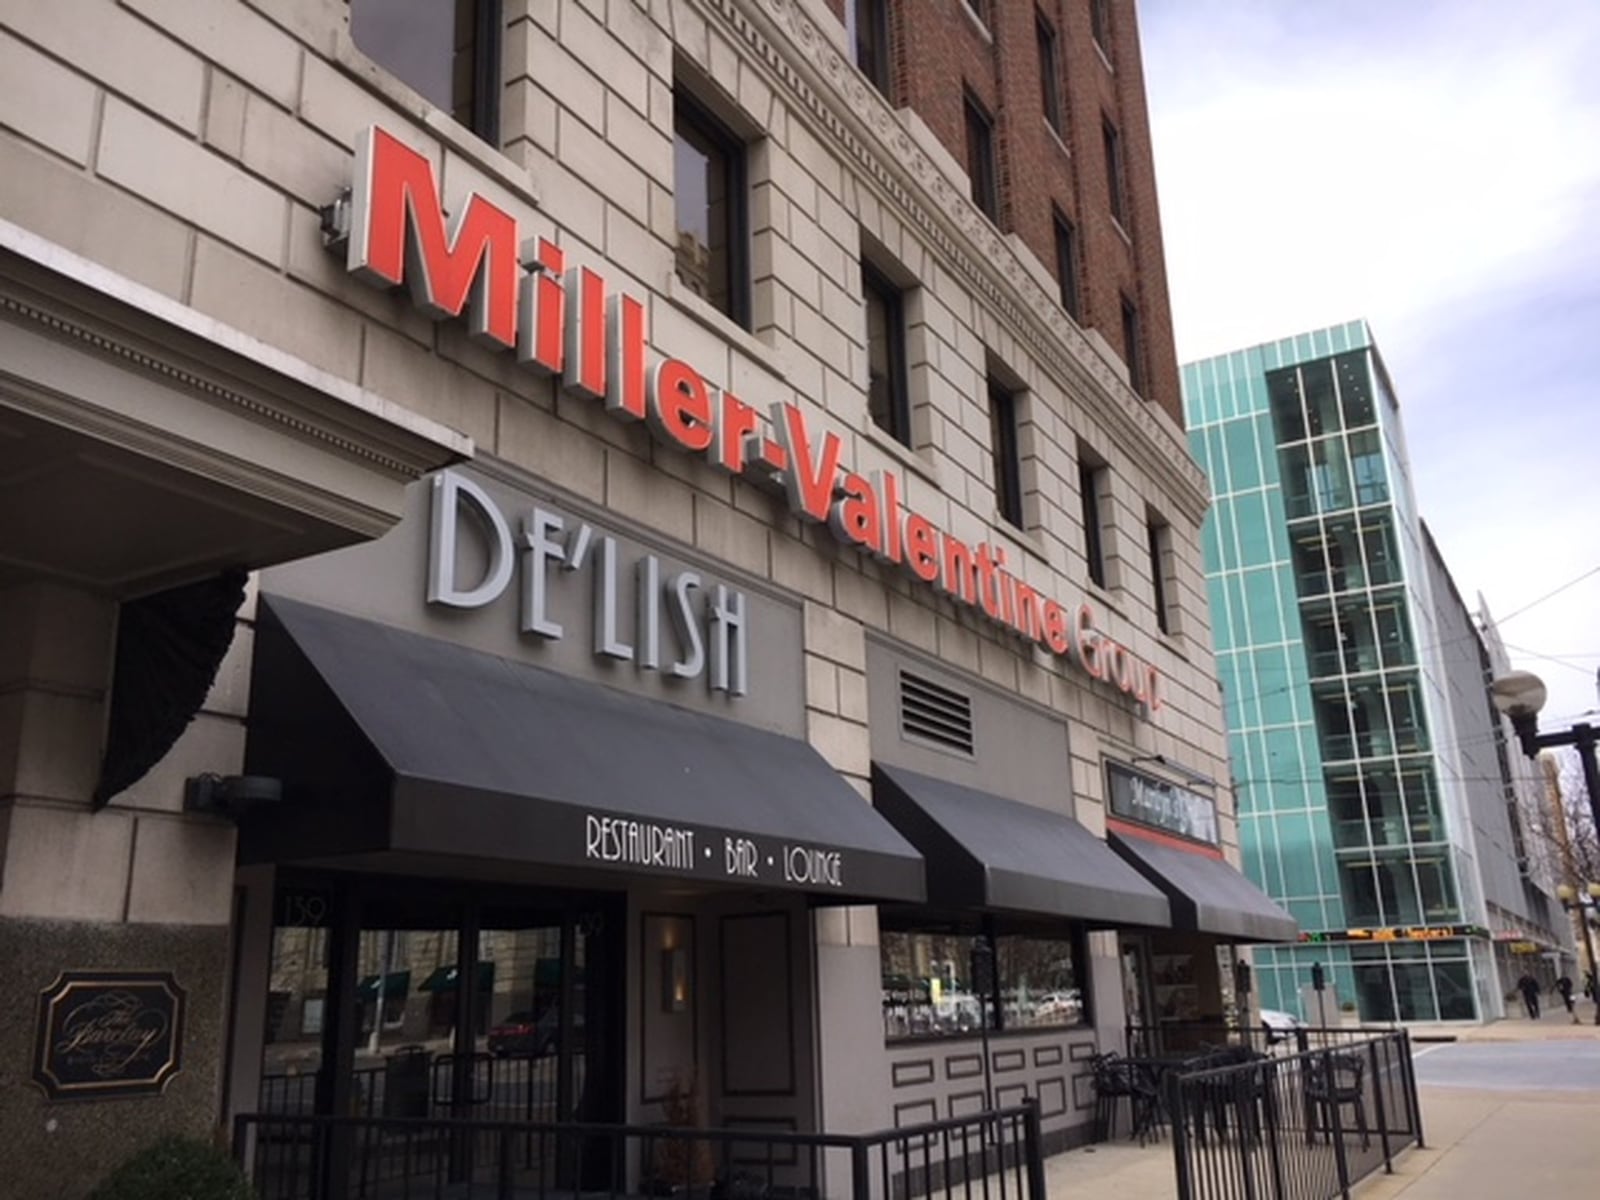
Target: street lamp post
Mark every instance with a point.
(1570, 899)
(1520, 695)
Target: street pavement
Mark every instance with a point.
(1508, 1109)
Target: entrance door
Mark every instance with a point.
(440, 1003)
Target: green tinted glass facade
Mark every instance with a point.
(1323, 631)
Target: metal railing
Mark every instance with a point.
(995, 1155)
(1175, 1038)
(1301, 1126)
(505, 1087)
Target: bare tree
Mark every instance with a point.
(1579, 815)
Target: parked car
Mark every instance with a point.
(1280, 1025)
(528, 1032)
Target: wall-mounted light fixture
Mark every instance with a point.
(674, 980)
(230, 795)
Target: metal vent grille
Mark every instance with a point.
(933, 713)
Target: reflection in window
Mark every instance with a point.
(708, 195)
(929, 990)
(448, 50)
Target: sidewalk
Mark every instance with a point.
(1480, 1143)
(1552, 1025)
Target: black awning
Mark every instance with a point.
(1207, 894)
(389, 741)
(984, 851)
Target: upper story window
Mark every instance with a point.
(709, 198)
(1159, 537)
(867, 28)
(1091, 482)
(888, 401)
(1067, 266)
(1100, 25)
(1116, 184)
(980, 158)
(1049, 71)
(1003, 445)
(1133, 346)
(448, 50)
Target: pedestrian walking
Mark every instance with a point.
(1564, 986)
(1529, 987)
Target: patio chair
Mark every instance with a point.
(1117, 1078)
(1332, 1082)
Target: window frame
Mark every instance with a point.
(1068, 251)
(1159, 539)
(1100, 27)
(1090, 475)
(687, 107)
(1133, 347)
(982, 170)
(1005, 451)
(1116, 182)
(985, 927)
(1049, 48)
(488, 24)
(876, 282)
(874, 15)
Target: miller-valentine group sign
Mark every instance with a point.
(565, 321)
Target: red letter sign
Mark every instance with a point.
(397, 234)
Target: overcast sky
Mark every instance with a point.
(1434, 167)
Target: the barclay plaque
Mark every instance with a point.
(106, 1034)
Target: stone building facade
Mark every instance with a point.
(230, 376)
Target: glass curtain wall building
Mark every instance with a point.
(1339, 735)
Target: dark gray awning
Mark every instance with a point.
(1207, 894)
(984, 851)
(389, 742)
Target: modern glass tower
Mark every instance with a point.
(1349, 813)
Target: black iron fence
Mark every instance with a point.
(493, 1087)
(1175, 1038)
(994, 1155)
(1299, 1126)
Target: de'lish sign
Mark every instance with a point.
(565, 321)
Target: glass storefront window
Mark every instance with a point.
(1039, 982)
(929, 989)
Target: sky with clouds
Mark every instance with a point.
(1434, 167)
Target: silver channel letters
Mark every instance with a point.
(682, 625)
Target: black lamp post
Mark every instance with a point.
(1571, 899)
(1520, 695)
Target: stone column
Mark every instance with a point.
(137, 885)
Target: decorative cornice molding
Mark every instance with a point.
(170, 372)
(854, 119)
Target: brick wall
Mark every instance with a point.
(940, 48)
